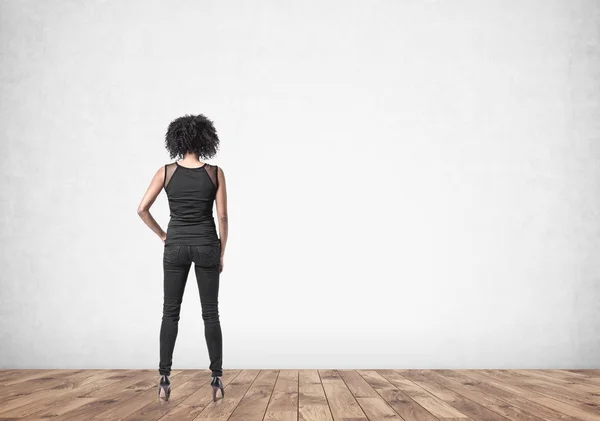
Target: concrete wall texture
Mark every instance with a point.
(412, 184)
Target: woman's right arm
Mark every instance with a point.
(143, 209)
(221, 201)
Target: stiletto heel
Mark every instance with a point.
(164, 388)
(217, 384)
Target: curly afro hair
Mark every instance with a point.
(192, 133)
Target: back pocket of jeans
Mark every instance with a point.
(208, 256)
(171, 252)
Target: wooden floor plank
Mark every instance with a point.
(567, 375)
(372, 404)
(43, 392)
(485, 395)
(578, 381)
(558, 390)
(253, 405)
(587, 372)
(304, 395)
(565, 408)
(541, 375)
(511, 388)
(145, 404)
(112, 395)
(13, 377)
(56, 404)
(520, 398)
(575, 401)
(440, 405)
(342, 403)
(283, 405)
(38, 385)
(312, 402)
(460, 403)
(359, 387)
(195, 403)
(403, 404)
(222, 409)
(155, 408)
(38, 375)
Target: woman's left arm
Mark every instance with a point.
(144, 208)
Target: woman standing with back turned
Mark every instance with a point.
(192, 186)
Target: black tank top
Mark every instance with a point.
(191, 193)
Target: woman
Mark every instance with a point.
(192, 186)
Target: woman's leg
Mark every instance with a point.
(176, 266)
(206, 266)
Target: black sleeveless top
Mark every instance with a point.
(191, 193)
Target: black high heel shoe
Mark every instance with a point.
(217, 384)
(164, 388)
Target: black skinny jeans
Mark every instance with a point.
(177, 260)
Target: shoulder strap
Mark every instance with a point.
(211, 170)
(169, 170)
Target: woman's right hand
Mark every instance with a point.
(221, 265)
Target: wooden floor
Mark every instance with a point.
(304, 395)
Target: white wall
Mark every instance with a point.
(412, 184)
